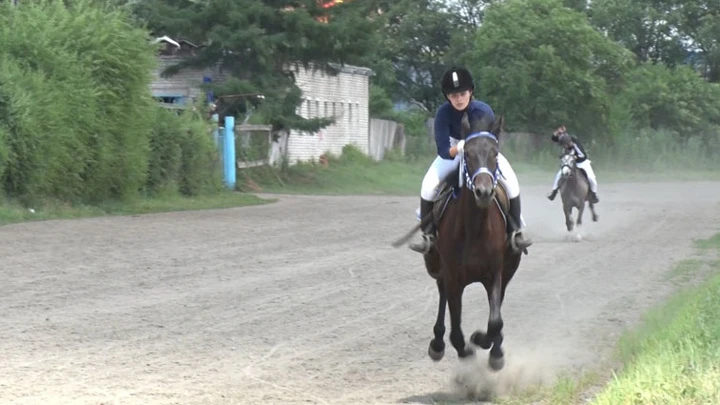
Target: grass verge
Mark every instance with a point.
(11, 212)
(672, 357)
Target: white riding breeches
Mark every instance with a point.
(585, 165)
(441, 168)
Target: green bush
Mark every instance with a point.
(183, 155)
(74, 103)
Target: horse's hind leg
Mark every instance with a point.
(594, 214)
(436, 351)
(454, 294)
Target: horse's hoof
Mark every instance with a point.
(436, 355)
(496, 363)
(595, 218)
(469, 353)
(480, 339)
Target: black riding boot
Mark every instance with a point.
(426, 214)
(552, 194)
(517, 240)
(593, 197)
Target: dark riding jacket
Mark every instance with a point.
(578, 148)
(448, 123)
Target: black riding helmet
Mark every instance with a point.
(565, 140)
(457, 79)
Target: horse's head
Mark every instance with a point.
(567, 164)
(480, 162)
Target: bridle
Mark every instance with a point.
(470, 179)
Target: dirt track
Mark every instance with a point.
(304, 301)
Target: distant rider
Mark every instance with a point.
(571, 145)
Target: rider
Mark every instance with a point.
(571, 145)
(458, 87)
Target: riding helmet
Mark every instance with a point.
(457, 79)
(565, 140)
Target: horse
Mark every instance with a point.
(472, 244)
(574, 191)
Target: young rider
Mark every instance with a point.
(571, 144)
(458, 87)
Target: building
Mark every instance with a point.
(345, 96)
(185, 87)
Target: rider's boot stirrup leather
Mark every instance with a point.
(426, 211)
(518, 242)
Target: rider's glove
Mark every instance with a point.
(460, 145)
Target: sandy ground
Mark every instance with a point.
(304, 301)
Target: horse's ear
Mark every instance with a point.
(480, 125)
(498, 125)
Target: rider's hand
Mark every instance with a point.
(457, 148)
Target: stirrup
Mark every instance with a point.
(513, 243)
(425, 246)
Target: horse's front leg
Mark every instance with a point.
(493, 339)
(495, 324)
(567, 210)
(436, 351)
(580, 209)
(454, 292)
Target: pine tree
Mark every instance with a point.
(257, 43)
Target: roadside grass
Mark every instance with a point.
(14, 212)
(672, 357)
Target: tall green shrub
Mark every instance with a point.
(74, 101)
(184, 157)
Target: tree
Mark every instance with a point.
(675, 99)
(417, 36)
(646, 27)
(258, 42)
(543, 65)
(699, 23)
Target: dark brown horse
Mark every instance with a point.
(472, 246)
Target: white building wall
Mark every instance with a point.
(346, 97)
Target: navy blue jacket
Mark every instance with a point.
(447, 123)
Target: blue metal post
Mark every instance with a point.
(229, 152)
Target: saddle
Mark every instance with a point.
(451, 190)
